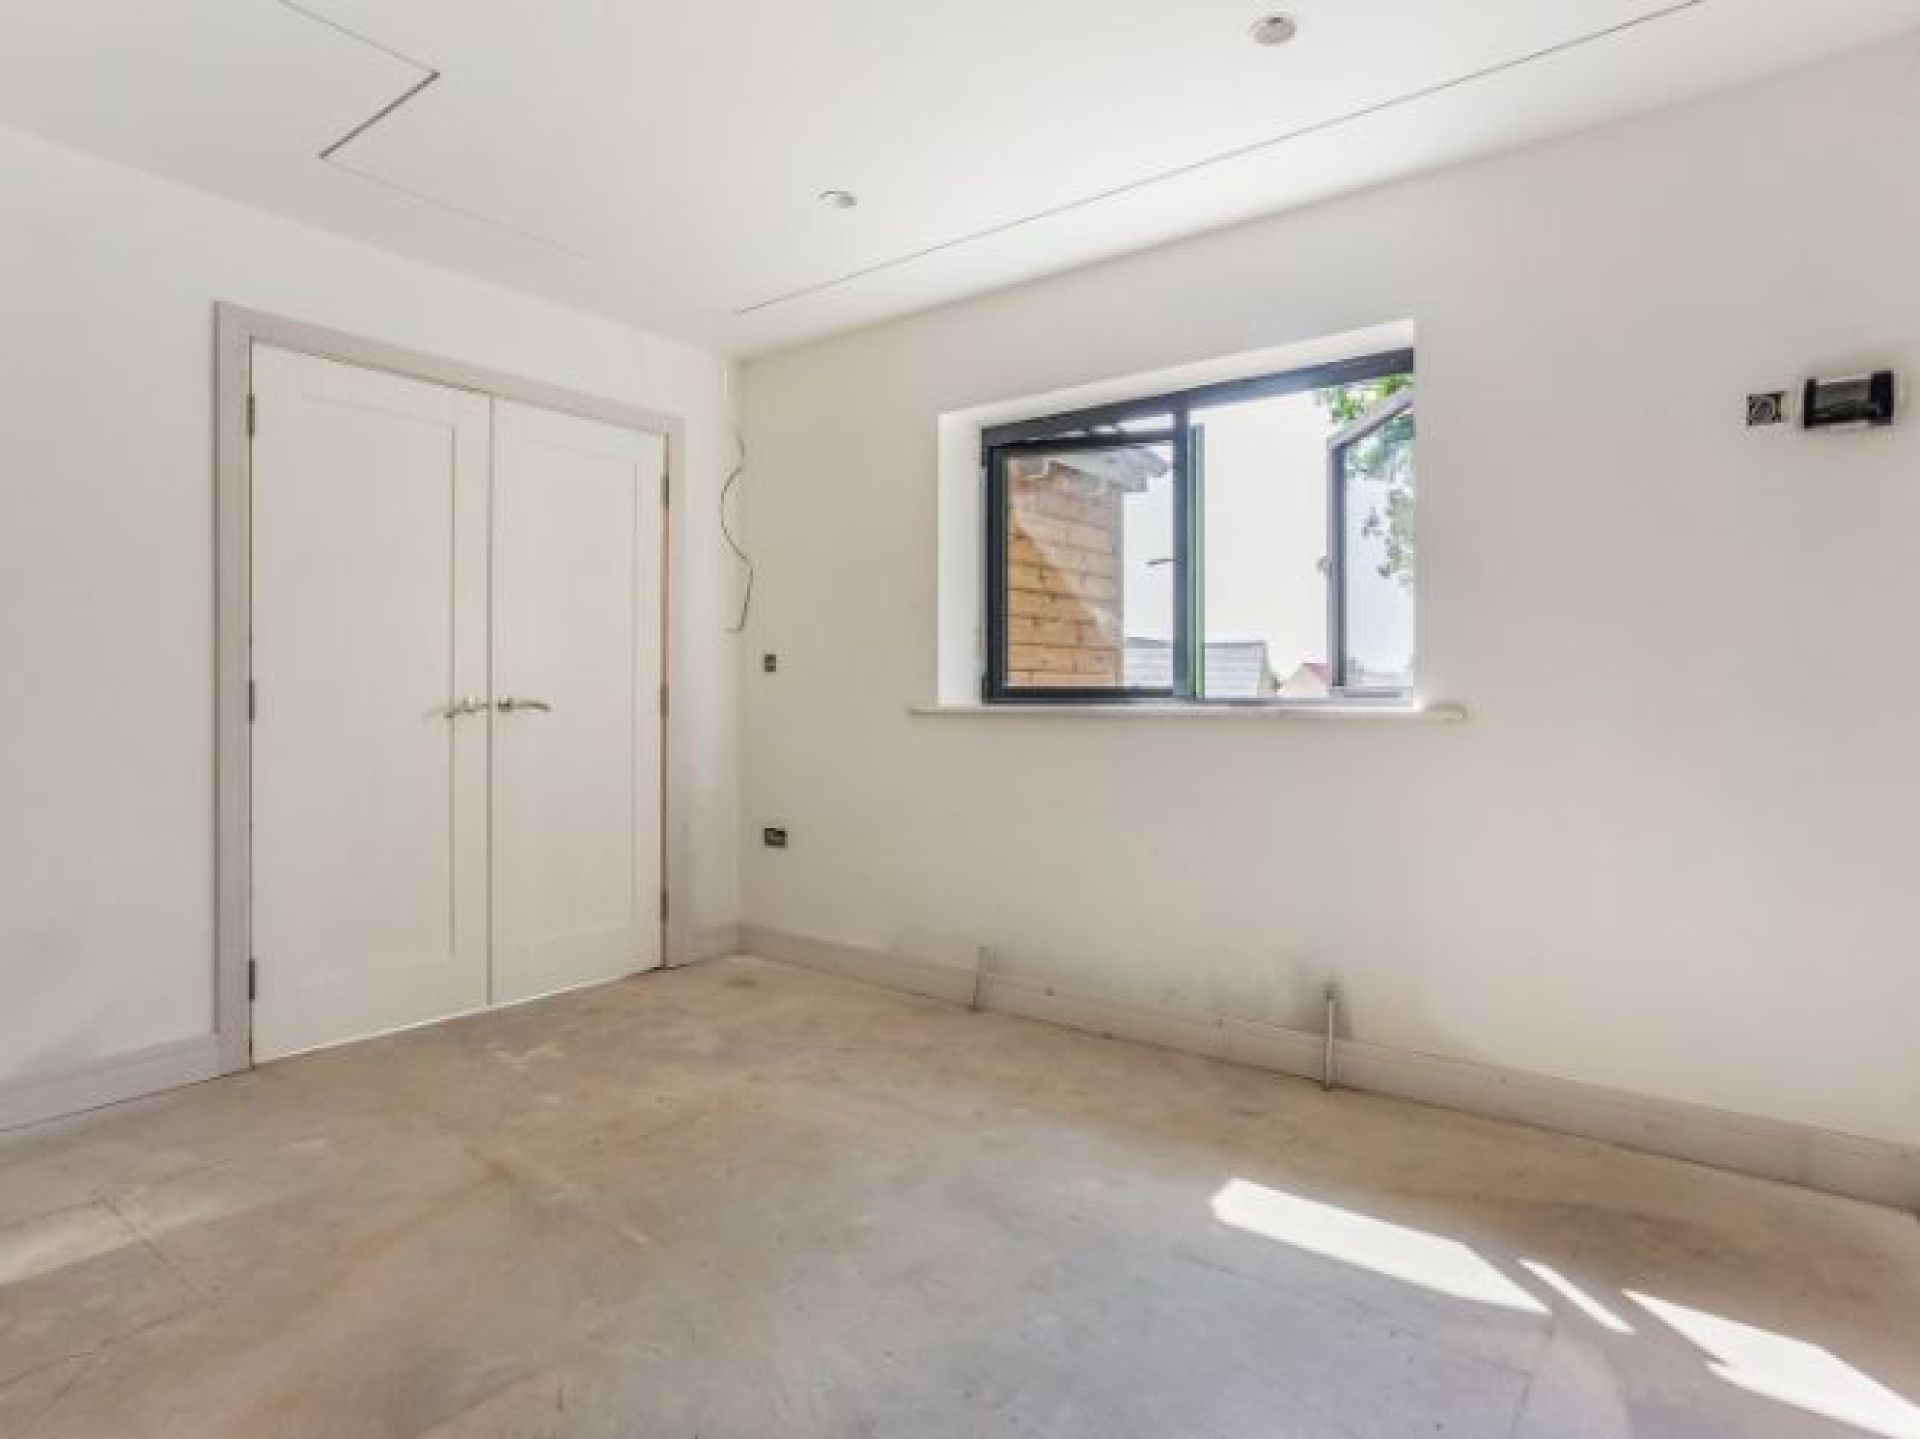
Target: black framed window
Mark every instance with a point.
(1236, 543)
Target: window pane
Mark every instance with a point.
(1089, 600)
(1270, 602)
(1261, 486)
(1377, 472)
(1262, 505)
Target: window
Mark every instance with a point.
(1247, 541)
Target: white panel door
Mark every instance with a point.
(577, 728)
(369, 622)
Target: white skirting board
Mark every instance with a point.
(713, 942)
(33, 1098)
(1877, 1171)
(108, 1081)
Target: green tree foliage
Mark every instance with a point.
(1383, 460)
(1346, 403)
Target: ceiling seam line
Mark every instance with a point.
(476, 217)
(352, 34)
(375, 118)
(430, 74)
(1239, 152)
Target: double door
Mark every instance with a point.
(456, 657)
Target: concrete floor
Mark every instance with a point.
(746, 1202)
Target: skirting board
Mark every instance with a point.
(32, 1098)
(713, 942)
(1877, 1171)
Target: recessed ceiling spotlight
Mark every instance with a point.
(1274, 29)
(839, 199)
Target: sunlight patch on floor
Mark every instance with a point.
(1576, 1296)
(1413, 1256)
(1790, 1371)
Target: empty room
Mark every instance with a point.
(866, 720)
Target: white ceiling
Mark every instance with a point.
(658, 160)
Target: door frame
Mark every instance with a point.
(238, 330)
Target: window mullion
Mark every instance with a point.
(1185, 610)
(994, 682)
(1336, 568)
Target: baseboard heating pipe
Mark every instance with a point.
(982, 961)
(1327, 1073)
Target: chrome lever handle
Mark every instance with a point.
(465, 705)
(512, 703)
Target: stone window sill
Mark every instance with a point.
(1309, 711)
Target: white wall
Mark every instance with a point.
(108, 280)
(1674, 849)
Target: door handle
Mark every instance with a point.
(465, 705)
(513, 703)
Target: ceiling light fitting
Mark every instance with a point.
(1274, 29)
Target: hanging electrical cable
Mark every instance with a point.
(726, 533)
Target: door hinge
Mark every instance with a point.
(666, 487)
(663, 906)
(253, 701)
(663, 701)
(253, 415)
(253, 979)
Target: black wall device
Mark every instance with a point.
(1863, 400)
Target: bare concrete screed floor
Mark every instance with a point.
(740, 1201)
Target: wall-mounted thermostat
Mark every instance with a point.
(1862, 400)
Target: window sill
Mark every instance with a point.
(1312, 711)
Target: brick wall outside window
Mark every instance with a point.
(1065, 544)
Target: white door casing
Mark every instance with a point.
(369, 805)
(577, 786)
